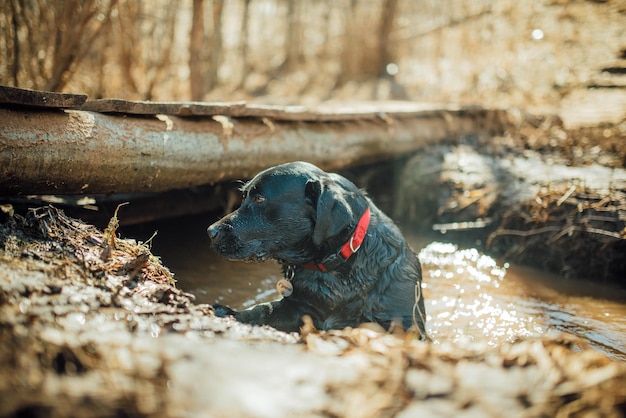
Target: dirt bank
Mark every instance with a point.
(541, 195)
(90, 322)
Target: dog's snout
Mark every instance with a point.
(219, 229)
(212, 231)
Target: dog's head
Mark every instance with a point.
(293, 213)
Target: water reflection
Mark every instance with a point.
(470, 298)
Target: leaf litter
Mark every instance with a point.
(79, 333)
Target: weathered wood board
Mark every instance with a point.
(328, 112)
(36, 98)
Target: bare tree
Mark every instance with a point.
(205, 57)
(327, 8)
(14, 26)
(127, 37)
(348, 56)
(196, 49)
(216, 46)
(161, 35)
(388, 15)
(243, 42)
(294, 36)
(49, 41)
(79, 24)
(140, 41)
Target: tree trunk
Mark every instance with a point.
(128, 35)
(349, 57)
(88, 152)
(293, 36)
(162, 62)
(16, 43)
(196, 52)
(388, 17)
(215, 56)
(81, 20)
(243, 43)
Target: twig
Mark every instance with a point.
(448, 24)
(561, 230)
(460, 226)
(597, 231)
(527, 233)
(568, 229)
(566, 196)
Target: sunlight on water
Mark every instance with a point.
(470, 298)
(465, 301)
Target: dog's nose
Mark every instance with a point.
(212, 231)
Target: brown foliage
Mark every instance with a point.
(45, 43)
(500, 52)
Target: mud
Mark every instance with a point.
(93, 325)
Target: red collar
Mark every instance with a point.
(345, 252)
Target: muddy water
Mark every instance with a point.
(470, 297)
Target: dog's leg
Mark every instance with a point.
(284, 315)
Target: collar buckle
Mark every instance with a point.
(354, 250)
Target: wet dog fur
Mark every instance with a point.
(296, 213)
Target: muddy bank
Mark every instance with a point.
(92, 323)
(541, 195)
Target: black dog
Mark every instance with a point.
(345, 262)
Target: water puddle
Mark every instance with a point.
(470, 298)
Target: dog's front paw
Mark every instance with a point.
(222, 311)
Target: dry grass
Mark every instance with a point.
(100, 253)
(572, 231)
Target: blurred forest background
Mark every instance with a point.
(488, 52)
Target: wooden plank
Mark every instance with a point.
(79, 152)
(165, 108)
(327, 112)
(36, 98)
(341, 111)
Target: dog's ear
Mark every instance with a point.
(332, 211)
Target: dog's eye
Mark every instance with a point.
(258, 198)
